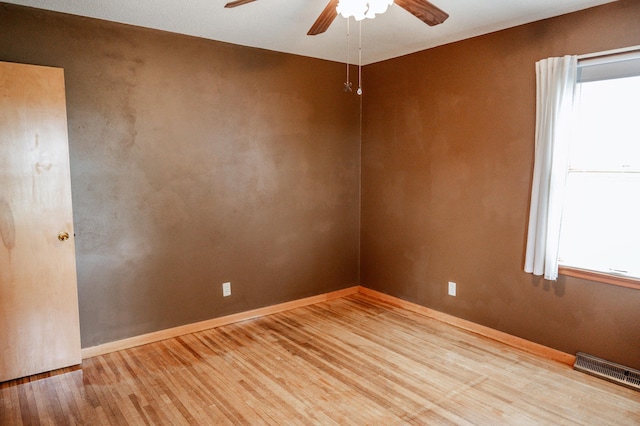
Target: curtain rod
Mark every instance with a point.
(610, 52)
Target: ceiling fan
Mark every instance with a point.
(421, 9)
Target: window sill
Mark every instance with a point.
(600, 277)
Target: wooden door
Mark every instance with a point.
(39, 325)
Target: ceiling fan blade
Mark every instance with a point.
(325, 19)
(237, 3)
(423, 10)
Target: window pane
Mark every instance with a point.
(601, 222)
(607, 134)
(601, 215)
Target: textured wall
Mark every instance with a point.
(447, 166)
(193, 163)
(196, 162)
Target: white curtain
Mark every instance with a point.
(555, 87)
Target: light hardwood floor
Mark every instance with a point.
(351, 361)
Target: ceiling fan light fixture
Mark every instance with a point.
(361, 9)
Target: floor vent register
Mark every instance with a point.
(608, 370)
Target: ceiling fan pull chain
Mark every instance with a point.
(347, 85)
(359, 91)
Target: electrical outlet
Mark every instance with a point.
(452, 288)
(226, 289)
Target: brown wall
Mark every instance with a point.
(193, 163)
(196, 162)
(447, 166)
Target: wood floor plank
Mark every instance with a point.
(348, 361)
(269, 385)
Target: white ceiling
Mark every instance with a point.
(282, 25)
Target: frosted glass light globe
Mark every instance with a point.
(361, 9)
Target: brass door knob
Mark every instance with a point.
(63, 236)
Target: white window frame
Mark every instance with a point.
(618, 63)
